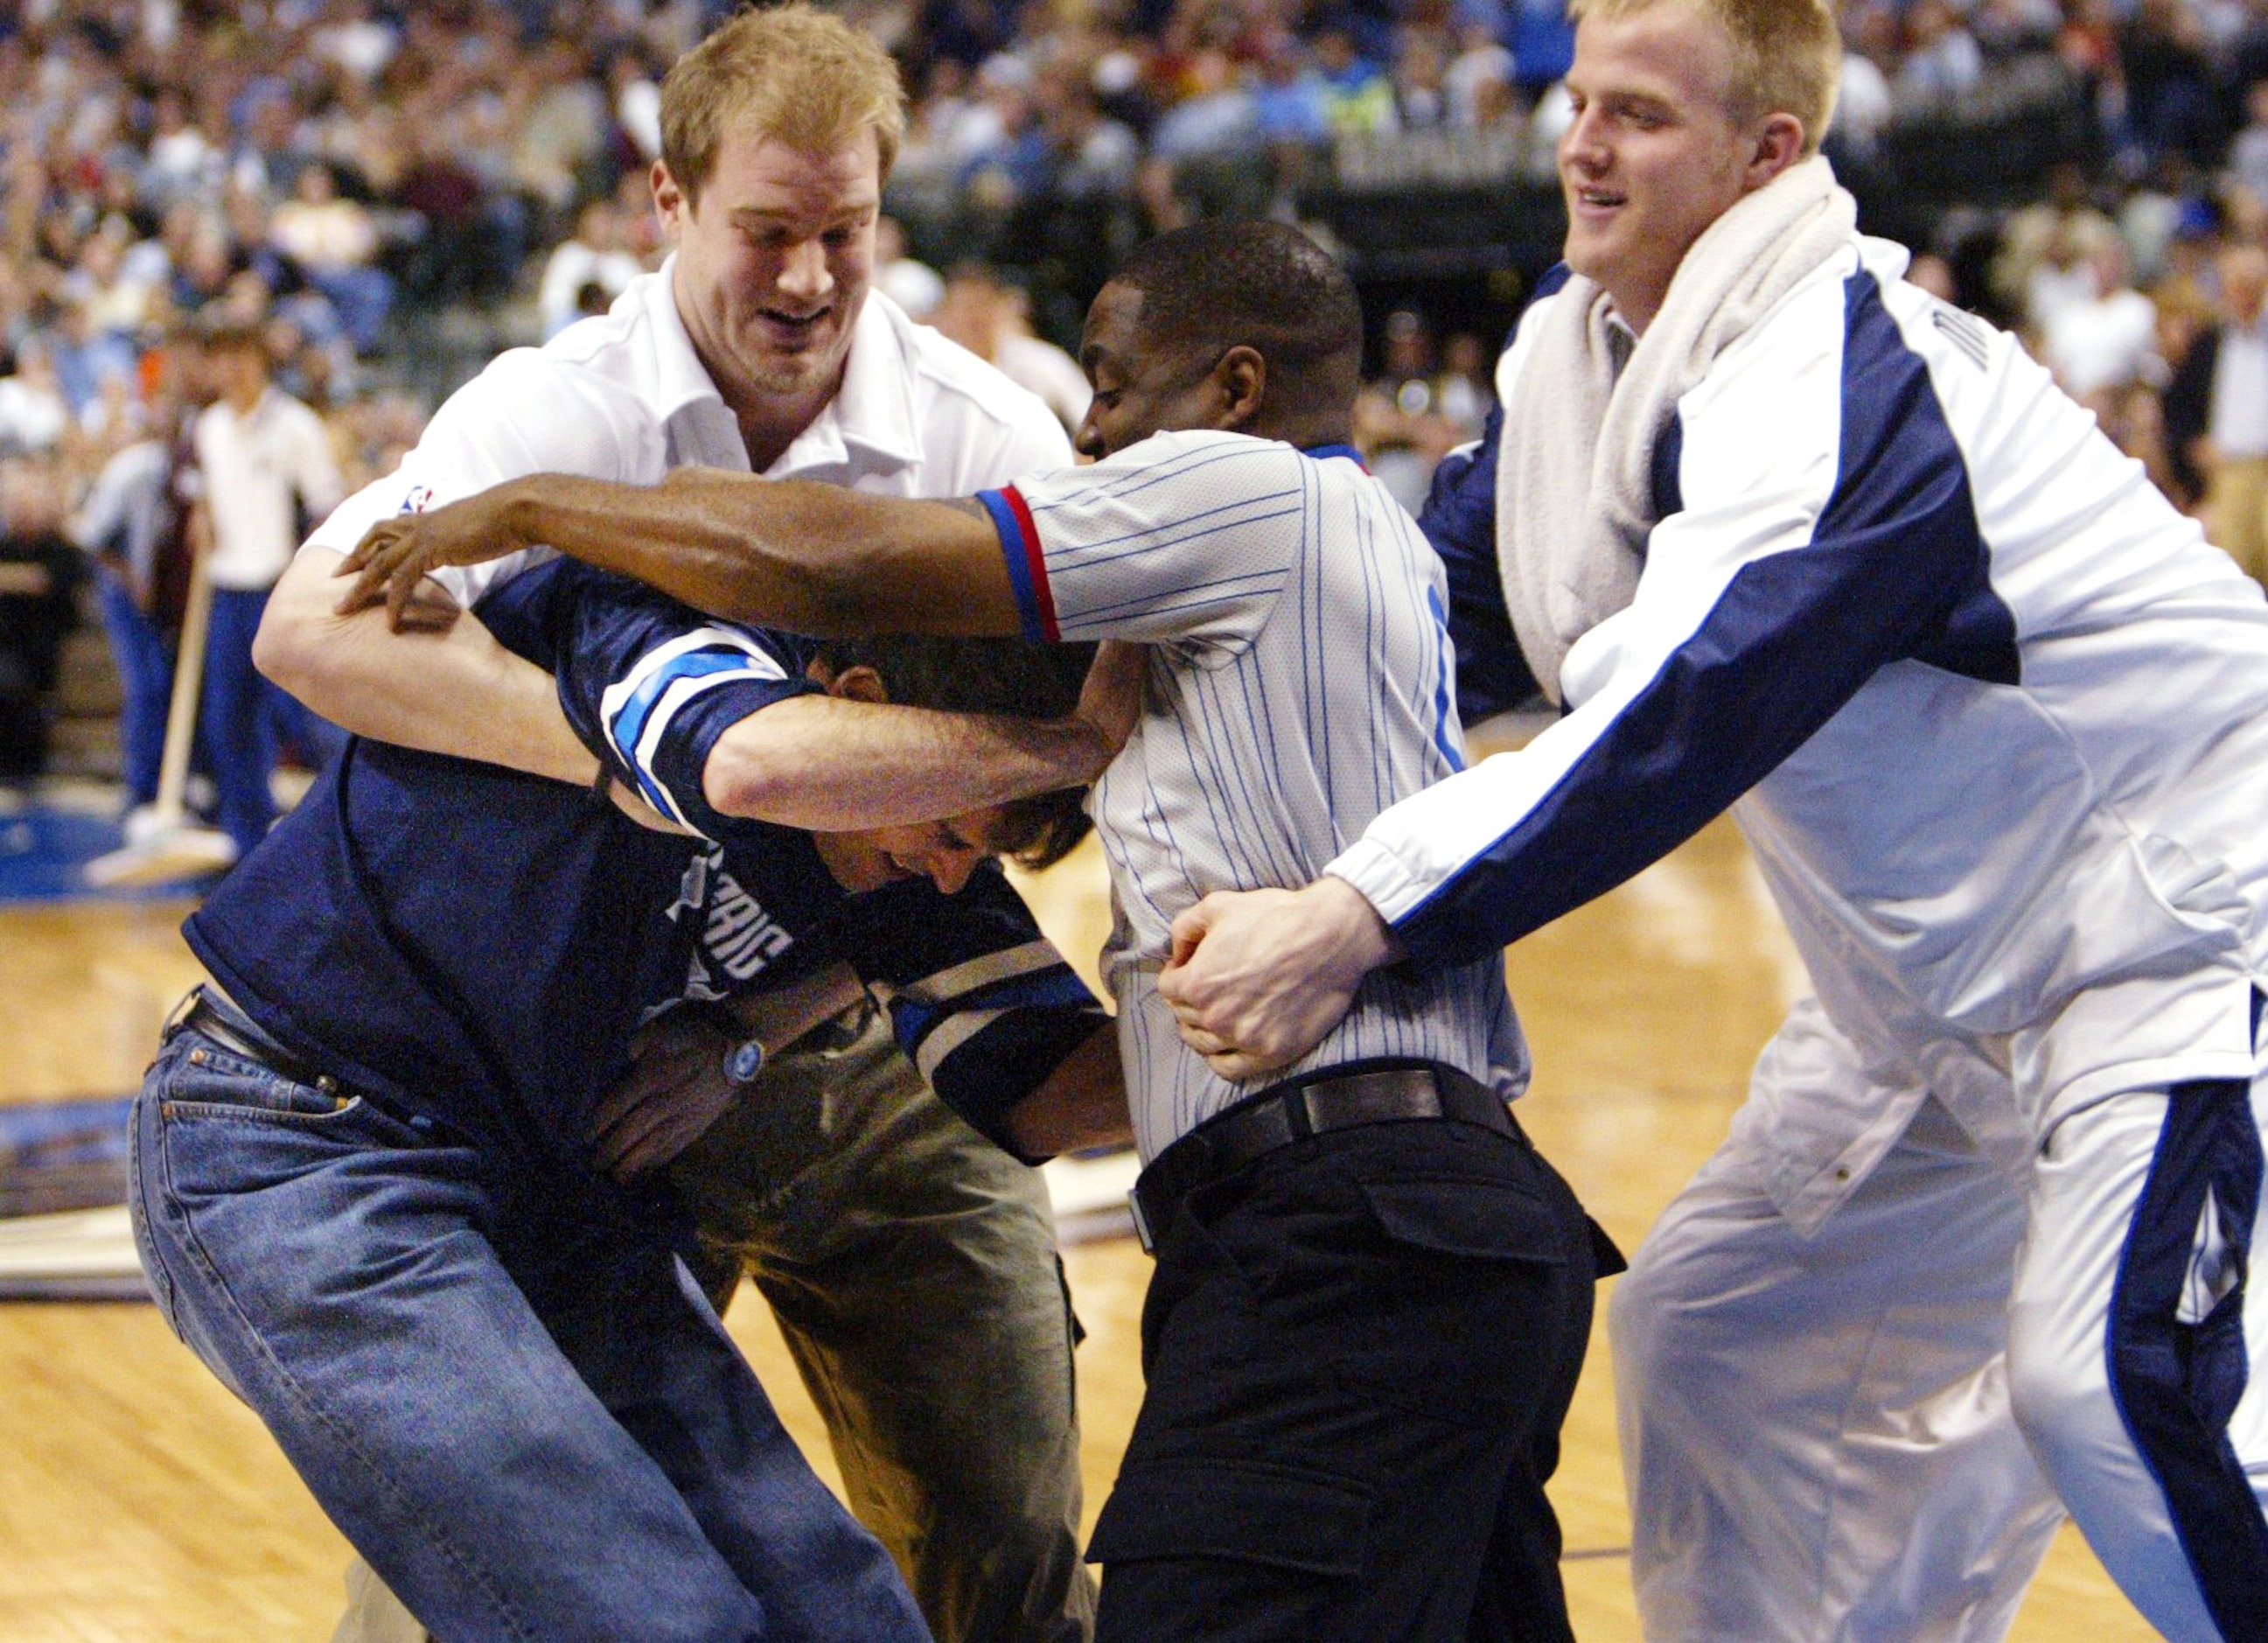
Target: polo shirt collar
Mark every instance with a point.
(874, 410)
(1622, 342)
(680, 377)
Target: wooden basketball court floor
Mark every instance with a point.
(140, 1504)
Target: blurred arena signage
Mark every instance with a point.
(1427, 159)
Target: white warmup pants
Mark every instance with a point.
(1816, 1433)
(1832, 1439)
(2130, 1341)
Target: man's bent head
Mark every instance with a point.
(1005, 676)
(1250, 327)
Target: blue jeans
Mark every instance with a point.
(145, 678)
(243, 717)
(516, 1405)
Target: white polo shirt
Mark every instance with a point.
(622, 397)
(264, 474)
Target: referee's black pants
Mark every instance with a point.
(1359, 1351)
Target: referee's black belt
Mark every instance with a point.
(1313, 1103)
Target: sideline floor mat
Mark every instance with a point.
(64, 1236)
(44, 850)
(82, 1255)
(63, 1232)
(62, 1155)
(1088, 1191)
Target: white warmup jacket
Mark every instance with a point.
(1999, 713)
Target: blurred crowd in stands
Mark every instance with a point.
(387, 191)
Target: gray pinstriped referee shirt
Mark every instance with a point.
(1300, 683)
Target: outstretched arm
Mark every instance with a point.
(811, 557)
(444, 686)
(831, 764)
(1794, 571)
(437, 680)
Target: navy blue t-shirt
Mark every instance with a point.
(476, 947)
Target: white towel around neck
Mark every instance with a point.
(1574, 470)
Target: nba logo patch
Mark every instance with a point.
(415, 501)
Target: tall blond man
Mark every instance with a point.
(907, 1260)
(1784, 533)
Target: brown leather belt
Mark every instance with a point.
(1314, 1103)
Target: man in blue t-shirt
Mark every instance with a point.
(366, 1188)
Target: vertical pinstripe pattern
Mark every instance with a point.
(1297, 689)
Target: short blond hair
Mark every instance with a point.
(1787, 54)
(790, 72)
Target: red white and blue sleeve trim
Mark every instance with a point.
(1028, 561)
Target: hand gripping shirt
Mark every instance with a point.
(1301, 684)
(2000, 715)
(477, 946)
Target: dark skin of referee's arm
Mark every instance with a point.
(816, 558)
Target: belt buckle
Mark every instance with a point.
(178, 1017)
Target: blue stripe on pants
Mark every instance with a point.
(2177, 1384)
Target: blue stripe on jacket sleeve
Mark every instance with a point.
(1459, 518)
(1894, 556)
(627, 727)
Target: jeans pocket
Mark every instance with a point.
(204, 1081)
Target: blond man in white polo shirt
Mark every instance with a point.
(911, 1263)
